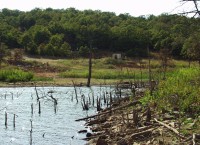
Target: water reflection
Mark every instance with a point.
(49, 128)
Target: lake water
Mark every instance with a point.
(48, 128)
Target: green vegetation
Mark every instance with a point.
(180, 91)
(36, 79)
(69, 36)
(105, 74)
(106, 68)
(70, 33)
(49, 70)
(15, 75)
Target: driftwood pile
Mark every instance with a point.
(131, 123)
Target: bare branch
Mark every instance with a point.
(196, 7)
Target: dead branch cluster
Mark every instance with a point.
(46, 97)
(196, 9)
(131, 123)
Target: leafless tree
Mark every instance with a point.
(195, 11)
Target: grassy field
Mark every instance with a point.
(104, 70)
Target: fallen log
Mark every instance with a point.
(143, 128)
(91, 137)
(82, 131)
(104, 113)
(96, 121)
(170, 128)
(142, 133)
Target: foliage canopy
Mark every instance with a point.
(60, 32)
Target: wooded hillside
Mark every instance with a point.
(60, 32)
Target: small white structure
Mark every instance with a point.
(117, 56)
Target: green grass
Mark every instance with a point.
(15, 75)
(106, 74)
(35, 79)
(180, 90)
(105, 68)
(108, 68)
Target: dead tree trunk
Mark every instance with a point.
(90, 69)
(31, 131)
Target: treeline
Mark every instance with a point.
(60, 32)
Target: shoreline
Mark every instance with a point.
(130, 122)
(79, 82)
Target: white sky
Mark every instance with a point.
(133, 7)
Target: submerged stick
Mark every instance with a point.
(92, 98)
(37, 93)
(55, 102)
(110, 98)
(85, 104)
(75, 91)
(89, 100)
(39, 108)
(32, 109)
(14, 120)
(104, 113)
(55, 107)
(12, 95)
(104, 97)
(6, 120)
(31, 131)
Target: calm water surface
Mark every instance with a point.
(49, 128)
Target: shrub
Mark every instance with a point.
(15, 75)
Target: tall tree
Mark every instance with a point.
(191, 47)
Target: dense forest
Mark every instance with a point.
(62, 32)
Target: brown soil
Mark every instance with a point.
(47, 74)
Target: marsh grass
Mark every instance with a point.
(15, 75)
(180, 90)
(106, 74)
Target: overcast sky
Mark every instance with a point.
(133, 7)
